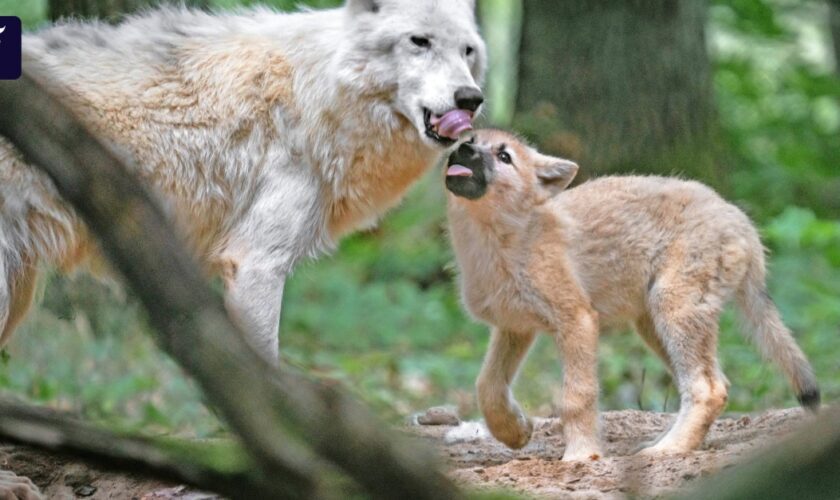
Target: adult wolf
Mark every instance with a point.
(267, 135)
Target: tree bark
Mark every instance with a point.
(111, 10)
(618, 85)
(265, 407)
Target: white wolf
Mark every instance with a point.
(266, 135)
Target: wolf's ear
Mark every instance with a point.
(555, 174)
(363, 6)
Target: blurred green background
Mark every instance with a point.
(742, 94)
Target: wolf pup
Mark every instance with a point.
(266, 135)
(662, 254)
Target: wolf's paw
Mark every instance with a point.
(14, 486)
(586, 451)
(513, 433)
(643, 446)
(659, 449)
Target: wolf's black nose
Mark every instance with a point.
(468, 98)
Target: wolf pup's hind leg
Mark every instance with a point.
(688, 330)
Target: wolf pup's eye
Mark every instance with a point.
(421, 41)
(504, 157)
(469, 50)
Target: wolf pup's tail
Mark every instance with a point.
(772, 337)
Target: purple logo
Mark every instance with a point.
(10, 34)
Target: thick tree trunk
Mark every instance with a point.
(618, 85)
(107, 9)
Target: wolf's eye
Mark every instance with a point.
(504, 157)
(421, 41)
(469, 50)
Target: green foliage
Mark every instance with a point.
(32, 13)
(779, 104)
(383, 316)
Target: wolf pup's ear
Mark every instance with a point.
(363, 6)
(556, 174)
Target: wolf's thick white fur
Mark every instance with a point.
(266, 135)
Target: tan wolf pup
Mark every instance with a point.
(662, 254)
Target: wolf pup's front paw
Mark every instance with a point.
(515, 433)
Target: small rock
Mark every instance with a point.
(78, 476)
(85, 490)
(744, 421)
(439, 415)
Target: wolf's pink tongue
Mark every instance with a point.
(458, 171)
(454, 123)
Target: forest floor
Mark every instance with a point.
(479, 462)
(482, 463)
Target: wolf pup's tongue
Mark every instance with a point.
(454, 123)
(458, 171)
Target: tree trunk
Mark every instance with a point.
(834, 23)
(501, 25)
(619, 86)
(111, 10)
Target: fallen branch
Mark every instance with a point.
(192, 325)
(181, 463)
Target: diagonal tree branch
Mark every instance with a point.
(191, 322)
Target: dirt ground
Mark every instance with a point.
(536, 470)
(479, 462)
(63, 479)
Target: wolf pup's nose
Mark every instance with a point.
(468, 98)
(463, 154)
(466, 150)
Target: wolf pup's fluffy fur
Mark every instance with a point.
(662, 254)
(266, 135)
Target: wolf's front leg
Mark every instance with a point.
(254, 297)
(504, 417)
(281, 225)
(578, 344)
